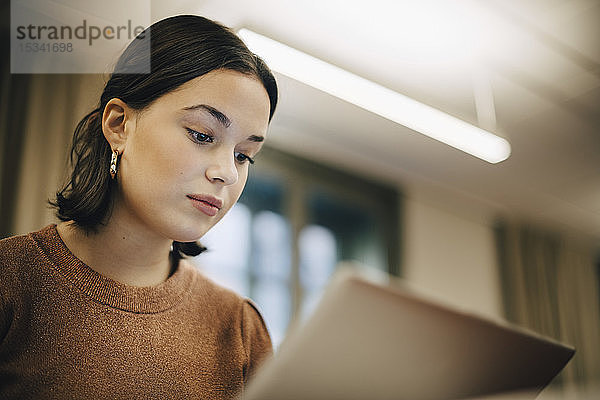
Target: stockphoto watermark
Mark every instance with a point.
(83, 31)
(68, 36)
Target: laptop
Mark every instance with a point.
(370, 340)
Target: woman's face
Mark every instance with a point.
(185, 161)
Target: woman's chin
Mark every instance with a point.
(190, 235)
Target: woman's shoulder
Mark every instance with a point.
(15, 250)
(217, 296)
(210, 290)
(12, 243)
(19, 256)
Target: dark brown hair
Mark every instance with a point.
(181, 48)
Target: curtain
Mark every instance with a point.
(550, 284)
(13, 97)
(38, 114)
(37, 152)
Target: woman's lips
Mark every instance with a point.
(209, 205)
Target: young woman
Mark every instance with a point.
(104, 305)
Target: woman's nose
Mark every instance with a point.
(222, 168)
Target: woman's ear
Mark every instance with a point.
(117, 122)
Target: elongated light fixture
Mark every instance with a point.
(378, 99)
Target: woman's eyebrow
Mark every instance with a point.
(256, 138)
(216, 114)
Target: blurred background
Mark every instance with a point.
(517, 240)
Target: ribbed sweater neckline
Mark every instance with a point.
(145, 300)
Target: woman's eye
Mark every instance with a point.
(200, 137)
(242, 158)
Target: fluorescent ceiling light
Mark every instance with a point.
(378, 99)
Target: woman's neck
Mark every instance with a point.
(130, 256)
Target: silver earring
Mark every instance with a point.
(113, 164)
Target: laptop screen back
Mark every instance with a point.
(371, 341)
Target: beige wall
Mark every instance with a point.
(450, 255)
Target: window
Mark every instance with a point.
(293, 224)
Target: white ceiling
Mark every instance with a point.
(539, 59)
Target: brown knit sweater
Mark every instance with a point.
(67, 332)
